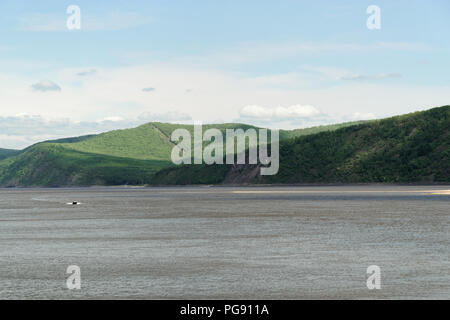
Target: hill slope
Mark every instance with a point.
(6, 153)
(409, 148)
(118, 157)
(129, 156)
(53, 165)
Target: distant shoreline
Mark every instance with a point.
(443, 184)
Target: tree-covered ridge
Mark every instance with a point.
(409, 148)
(118, 157)
(50, 164)
(6, 153)
(288, 134)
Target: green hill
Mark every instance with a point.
(54, 165)
(118, 157)
(129, 156)
(288, 134)
(6, 153)
(409, 148)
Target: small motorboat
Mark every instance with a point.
(74, 203)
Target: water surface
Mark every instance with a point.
(226, 243)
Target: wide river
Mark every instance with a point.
(226, 242)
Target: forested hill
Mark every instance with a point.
(118, 157)
(5, 153)
(412, 148)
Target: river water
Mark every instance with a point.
(226, 242)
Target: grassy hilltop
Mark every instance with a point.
(409, 148)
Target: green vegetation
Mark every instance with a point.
(409, 148)
(118, 157)
(144, 142)
(49, 164)
(150, 141)
(6, 153)
(289, 134)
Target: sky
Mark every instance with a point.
(278, 64)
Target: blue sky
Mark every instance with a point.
(283, 64)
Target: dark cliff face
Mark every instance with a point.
(242, 174)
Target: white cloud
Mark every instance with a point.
(279, 113)
(22, 130)
(85, 73)
(363, 116)
(56, 22)
(216, 94)
(379, 76)
(260, 52)
(42, 22)
(112, 119)
(171, 116)
(45, 85)
(115, 20)
(332, 73)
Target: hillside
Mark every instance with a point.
(409, 148)
(53, 165)
(6, 153)
(118, 157)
